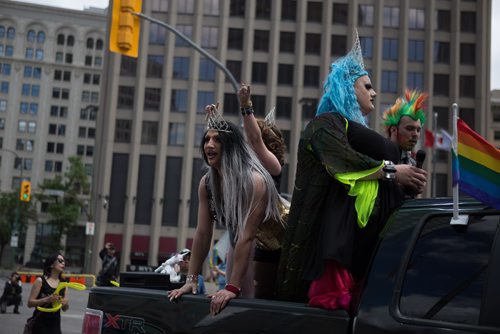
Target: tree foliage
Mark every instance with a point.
(64, 211)
(9, 203)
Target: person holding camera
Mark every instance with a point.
(109, 271)
(11, 293)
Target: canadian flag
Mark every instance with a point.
(441, 141)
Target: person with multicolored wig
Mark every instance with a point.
(344, 191)
(404, 121)
(238, 193)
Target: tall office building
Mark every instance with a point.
(50, 72)
(149, 161)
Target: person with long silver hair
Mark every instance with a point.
(346, 185)
(238, 193)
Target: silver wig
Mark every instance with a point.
(232, 189)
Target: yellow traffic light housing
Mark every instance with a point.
(25, 191)
(125, 27)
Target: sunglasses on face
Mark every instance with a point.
(61, 261)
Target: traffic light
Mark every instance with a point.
(25, 191)
(125, 27)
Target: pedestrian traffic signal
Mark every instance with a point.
(25, 191)
(125, 27)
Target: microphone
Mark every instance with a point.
(420, 158)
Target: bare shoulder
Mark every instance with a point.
(258, 182)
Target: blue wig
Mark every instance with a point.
(338, 91)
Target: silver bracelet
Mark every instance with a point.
(192, 278)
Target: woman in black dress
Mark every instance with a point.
(42, 294)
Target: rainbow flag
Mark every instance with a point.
(476, 168)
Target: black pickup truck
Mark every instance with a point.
(426, 276)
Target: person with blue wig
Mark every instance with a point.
(346, 185)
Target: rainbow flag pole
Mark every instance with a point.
(456, 219)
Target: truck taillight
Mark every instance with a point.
(92, 321)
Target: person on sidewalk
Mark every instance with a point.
(11, 293)
(109, 271)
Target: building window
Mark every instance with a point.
(5, 69)
(313, 44)
(181, 68)
(389, 82)
(178, 101)
(235, 39)
(123, 130)
(159, 6)
(442, 52)
(237, 8)
(209, 37)
(365, 15)
(314, 11)
(157, 34)
(285, 74)
(416, 19)
(443, 20)
(441, 84)
(287, 41)
(231, 104)
(467, 53)
(283, 107)
(3, 105)
(176, 134)
(207, 70)
(467, 86)
(185, 30)
(366, 46)
(152, 98)
(128, 66)
(149, 135)
(82, 132)
(154, 66)
(390, 50)
(211, 7)
(415, 80)
(288, 10)
(234, 66)
(416, 50)
(185, 6)
(259, 105)
(339, 45)
(4, 87)
(391, 17)
(126, 97)
(11, 33)
(340, 13)
(311, 76)
(263, 9)
(204, 98)
(468, 22)
(259, 72)
(261, 40)
(29, 53)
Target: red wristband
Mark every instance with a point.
(233, 289)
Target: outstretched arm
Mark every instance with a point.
(201, 244)
(254, 135)
(243, 247)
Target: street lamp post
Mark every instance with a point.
(15, 228)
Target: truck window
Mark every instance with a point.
(448, 270)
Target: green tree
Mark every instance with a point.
(8, 205)
(64, 211)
